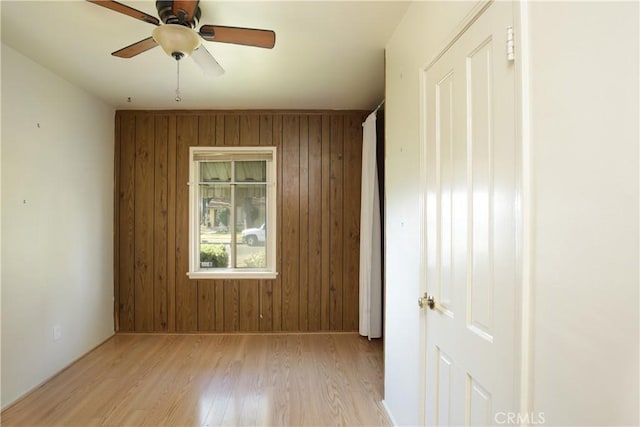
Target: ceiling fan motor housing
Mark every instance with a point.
(169, 16)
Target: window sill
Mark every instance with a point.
(232, 275)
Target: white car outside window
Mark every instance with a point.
(253, 236)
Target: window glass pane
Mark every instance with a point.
(228, 212)
(215, 223)
(255, 171)
(215, 171)
(251, 218)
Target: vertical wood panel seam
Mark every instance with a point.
(280, 142)
(347, 233)
(172, 182)
(345, 129)
(133, 218)
(304, 281)
(342, 217)
(300, 205)
(116, 222)
(300, 248)
(153, 230)
(197, 227)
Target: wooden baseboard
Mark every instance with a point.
(245, 333)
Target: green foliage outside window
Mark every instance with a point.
(214, 256)
(222, 217)
(257, 260)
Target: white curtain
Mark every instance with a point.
(370, 243)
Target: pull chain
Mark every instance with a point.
(178, 99)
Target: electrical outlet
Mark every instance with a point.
(57, 332)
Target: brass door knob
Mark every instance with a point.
(427, 300)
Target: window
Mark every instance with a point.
(232, 209)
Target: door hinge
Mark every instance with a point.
(510, 44)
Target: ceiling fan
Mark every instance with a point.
(177, 36)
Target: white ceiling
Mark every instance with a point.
(328, 54)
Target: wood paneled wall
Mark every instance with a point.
(319, 167)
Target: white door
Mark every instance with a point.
(470, 152)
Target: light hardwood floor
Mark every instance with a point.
(231, 380)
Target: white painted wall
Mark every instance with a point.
(584, 136)
(418, 38)
(57, 223)
(584, 90)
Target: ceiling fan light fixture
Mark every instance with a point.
(176, 40)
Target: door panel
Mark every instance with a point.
(444, 168)
(479, 404)
(480, 285)
(470, 157)
(445, 368)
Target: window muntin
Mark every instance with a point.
(232, 212)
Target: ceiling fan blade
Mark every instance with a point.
(136, 48)
(207, 62)
(126, 10)
(188, 7)
(237, 35)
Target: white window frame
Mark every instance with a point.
(195, 271)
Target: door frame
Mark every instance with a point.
(525, 242)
